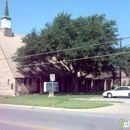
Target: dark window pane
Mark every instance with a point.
(118, 89)
(125, 88)
(11, 86)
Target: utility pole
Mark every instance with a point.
(120, 59)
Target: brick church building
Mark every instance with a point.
(12, 82)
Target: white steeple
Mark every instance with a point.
(6, 21)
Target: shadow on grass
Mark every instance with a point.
(85, 93)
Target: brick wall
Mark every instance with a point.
(7, 81)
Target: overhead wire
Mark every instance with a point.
(52, 52)
(77, 59)
(82, 24)
(85, 58)
(35, 10)
(36, 18)
(68, 49)
(121, 53)
(32, 12)
(52, 22)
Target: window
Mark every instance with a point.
(118, 89)
(8, 81)
(12, 86)
(125, 88)
(127, 74)
(19, 81)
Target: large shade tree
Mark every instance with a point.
(122, 59)
(87, 40)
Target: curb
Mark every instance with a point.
(107, 110)
(44, 108)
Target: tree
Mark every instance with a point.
(123, 60)
(66, 33)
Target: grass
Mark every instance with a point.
(60, 101)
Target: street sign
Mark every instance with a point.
(52, 77)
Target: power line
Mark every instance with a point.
(85, 58)
(99, 56)
(36, 19)
(72, 26)
(74, 48)
(35, 11)
(38, 9)
(32, 13)
(49, 15)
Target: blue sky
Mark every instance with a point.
(29, 14)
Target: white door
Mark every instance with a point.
(117, 92)
(125, 91)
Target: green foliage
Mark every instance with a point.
(123, 60)
(64, 33)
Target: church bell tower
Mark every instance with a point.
(6, 22)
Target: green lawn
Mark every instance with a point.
(60, 101)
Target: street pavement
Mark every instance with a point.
(17, 117)
(24, 118)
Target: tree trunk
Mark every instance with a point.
(75, 84)
(41, 85)
(63, 85)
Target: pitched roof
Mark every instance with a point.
(9, 46)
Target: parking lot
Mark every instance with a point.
(124, 100)
(117, 109)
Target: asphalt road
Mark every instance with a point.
(17, 118)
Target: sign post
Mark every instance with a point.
(52, 79)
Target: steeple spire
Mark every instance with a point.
(6, 10)
(6, 21)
